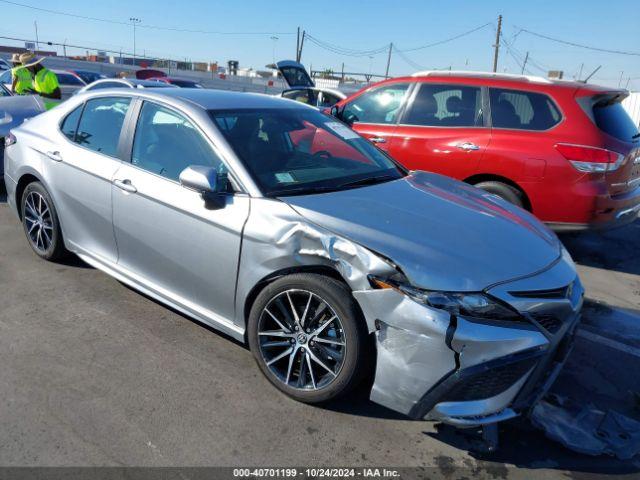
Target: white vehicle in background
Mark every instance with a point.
(303, 89)
(123, 83)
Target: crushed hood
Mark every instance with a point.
(443, 234)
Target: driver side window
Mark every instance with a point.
(379, 105)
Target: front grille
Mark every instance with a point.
(549, 322)
(489, 383)
(554, 293)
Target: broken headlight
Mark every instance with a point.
(466, 304)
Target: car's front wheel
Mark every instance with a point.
(40, 222)
(308, 337)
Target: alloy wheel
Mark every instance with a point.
(302, 340)
(39, 222)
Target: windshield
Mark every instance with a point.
(297, 151)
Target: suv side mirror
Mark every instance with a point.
(335, 111)
(200, 178)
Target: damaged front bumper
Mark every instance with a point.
(468, 372)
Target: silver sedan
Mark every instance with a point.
(281, 227)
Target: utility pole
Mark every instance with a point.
(297, 44)
(64, 48)
(526, 57)
(386, 73)
(342, 73)
(497, 45)
(581, 68)
(304, 33)
(35, 24)
(620, 81)
(134, 21)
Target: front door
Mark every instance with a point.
(442, 130)
(374, 113)
(168, 237)
(82, 167)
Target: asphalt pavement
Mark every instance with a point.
(93, 373)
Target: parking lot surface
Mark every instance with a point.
(94, 373)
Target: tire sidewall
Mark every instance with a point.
(340, 299)
(54, 249)
(504, 191)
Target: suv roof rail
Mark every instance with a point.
(472, 74)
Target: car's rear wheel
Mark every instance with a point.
(307, 336)
(504, 191)
(40, 222)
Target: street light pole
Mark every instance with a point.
(273, 53)
(134, 21)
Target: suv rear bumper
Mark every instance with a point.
(610, 212)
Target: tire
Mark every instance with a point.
(40, 223)
(504, 191)
(302, 377)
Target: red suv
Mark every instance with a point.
(566, 151)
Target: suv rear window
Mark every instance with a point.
(611, 117)
(522, 110)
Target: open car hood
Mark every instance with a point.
(294, 74)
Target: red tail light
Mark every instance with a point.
(590, 159)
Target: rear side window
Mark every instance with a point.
(445, 106)
(522, 110)
(101, 123)
(70, 124)
(612, 118)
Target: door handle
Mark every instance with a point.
(125, 185)
(378, 140)
(55, 156)
(468, 146)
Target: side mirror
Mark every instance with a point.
(335, 111)
(200, 178)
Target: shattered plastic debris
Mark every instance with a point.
(585, 429)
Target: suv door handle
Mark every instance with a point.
(55, 156)
(468, 146)
(125, 185)
(378, 140)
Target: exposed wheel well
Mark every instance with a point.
(22, 184)
(487, 177)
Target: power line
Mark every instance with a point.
(150, 27)
(446, 40)
(573, 44)
(349, 52)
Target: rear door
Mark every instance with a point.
(374, 114)
(294, 74)
(443, 130)
(82, 165)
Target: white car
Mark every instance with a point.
(303, 89)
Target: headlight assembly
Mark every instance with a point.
(471, 304)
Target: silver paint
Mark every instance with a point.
(433, 232)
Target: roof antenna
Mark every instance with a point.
(591, 74)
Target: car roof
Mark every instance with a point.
(210, 99)
(502, 79)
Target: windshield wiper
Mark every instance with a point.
(302, 191)
(368, 181)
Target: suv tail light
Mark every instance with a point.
(590, 159)
(10, 139)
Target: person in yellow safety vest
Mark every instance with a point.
(21, 80)
(45, 82)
